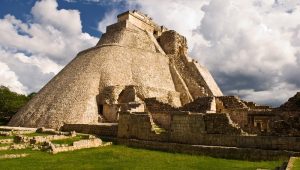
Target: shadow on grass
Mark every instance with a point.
(122, 157)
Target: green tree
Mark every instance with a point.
(31, 95)
(10, 103)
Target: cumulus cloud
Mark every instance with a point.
(45, 12)
(182, 16)
(109, 18)
(10, 79)
(251, 47)
(255, 50)
(35, 50)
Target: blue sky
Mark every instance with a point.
(251, 47)
(90, 12)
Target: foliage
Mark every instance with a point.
(36, 134)
(121, 157)
(298, 102)
(10, 103)
(31, 95)
(296, 164)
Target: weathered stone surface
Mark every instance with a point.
(139, 82)
(4, 141)
(12, 156)
(21, 139)
(40, 130)
(293, 104)
(41, 139)
(82, 144)
(11, 128)
(131, 54)
(4, 148)
(291, 162)
(196, 78)
(202, 105)
(220, 124)
(18, 146)
(103, 129)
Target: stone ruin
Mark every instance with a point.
(139, 83)
(20, 138)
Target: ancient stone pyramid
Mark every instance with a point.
(135, 54)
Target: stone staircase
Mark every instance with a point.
(154, 127)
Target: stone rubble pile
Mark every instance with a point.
(44, 141)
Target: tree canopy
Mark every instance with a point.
(11, 102)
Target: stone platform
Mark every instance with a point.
(213, 151)
(101, 129)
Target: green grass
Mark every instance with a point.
(29, 135)
(297, 164)
(68, 141)
(121, 157)
(36, 134)
(6, 137)
(4, 144)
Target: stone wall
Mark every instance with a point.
(214, 151)
(202, 105)
(82, 144)
(126, 34)
(231, 102)
(196, 78)
(220, 123)
(138, 126)
(187, 127)
(180, 86)
(184, 126)
(162, 119)
(156, 105)
(200, 129)
(236, 108)
(140, 20)
(239, 116)
(103, 129)
(181, 126)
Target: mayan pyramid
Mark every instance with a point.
(134, 54)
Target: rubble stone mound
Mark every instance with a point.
(293, 104)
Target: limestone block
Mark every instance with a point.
(12, 156)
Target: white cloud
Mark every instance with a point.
(38, 49)
(108, 19)
(255, 49)
(249, 46)
(182, 16)
(252, 47)
(10, 79)
(30, 71)
(68, 21)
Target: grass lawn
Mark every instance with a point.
(297, 164)
(68, 141)
(122, 157)
(6, 137)
(35, 134)
(29, 135)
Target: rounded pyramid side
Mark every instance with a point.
(70, 97)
